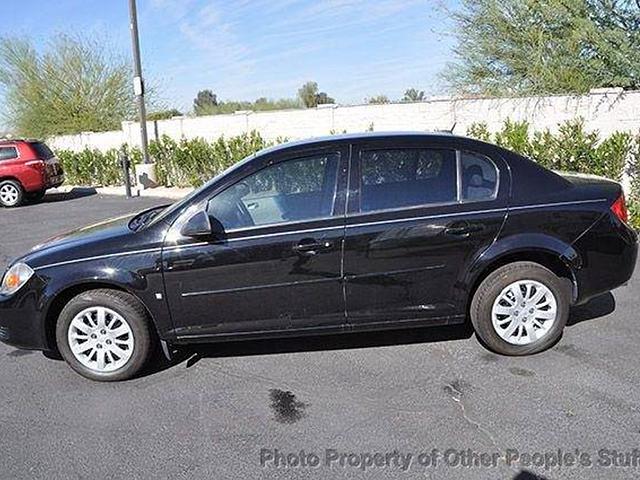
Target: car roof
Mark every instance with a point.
(354, 137)
(17, 140)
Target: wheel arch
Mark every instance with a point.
(561, 258)
(61, 298)
(10, 177)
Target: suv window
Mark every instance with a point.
(294, 190)
(479, 177)
(8, 153)
(408, 177)
(42, 151)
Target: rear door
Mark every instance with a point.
(418, 215)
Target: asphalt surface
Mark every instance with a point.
(218, 411)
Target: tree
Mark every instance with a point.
(311, 97)
(205, 103)
(164, 114)
(412, 95)
(74, 85)
(378, 100)
(545, 46)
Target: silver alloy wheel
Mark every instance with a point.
(524, 312)
(100, 339)
(9, 194)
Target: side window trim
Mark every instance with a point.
(459, 176)
(356, 210)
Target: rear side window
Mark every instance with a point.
(408, 177)
(8, 153)
(42, 151)
(479, 177)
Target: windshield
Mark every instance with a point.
(181, 203)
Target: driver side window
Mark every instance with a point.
(293, 190)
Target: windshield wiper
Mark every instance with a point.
(143, 218)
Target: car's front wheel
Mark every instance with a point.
(520, 309)
(104, 335)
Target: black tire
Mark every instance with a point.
(36, 196)
(19, 193)
(125, 305)
(492, 286)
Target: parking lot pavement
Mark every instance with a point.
(223, 409)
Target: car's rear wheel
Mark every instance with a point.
(11, 193)
(520, 309)
(104, 335)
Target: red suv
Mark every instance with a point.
(27, 169)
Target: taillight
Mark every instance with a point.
(619, 209)
(37, 164)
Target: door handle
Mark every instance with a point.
(462, 230)
(311, 247)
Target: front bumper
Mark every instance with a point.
(21, 319)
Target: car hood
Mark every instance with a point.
(97, 231)
(92, 240)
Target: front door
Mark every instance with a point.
(277, 267)
(418, 216)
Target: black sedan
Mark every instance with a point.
(341, 234)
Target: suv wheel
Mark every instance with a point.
(520, 309)
(11, 193)
(104, 335)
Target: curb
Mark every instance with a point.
(173, 193)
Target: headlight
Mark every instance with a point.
(15, 278)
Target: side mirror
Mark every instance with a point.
(199, 225)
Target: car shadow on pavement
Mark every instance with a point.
(73, 194)
(344, 341)
(192, 354)
(597, 307)
(526, 475)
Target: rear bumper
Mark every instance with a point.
(56, 181)
(608, 254)
(21, 323)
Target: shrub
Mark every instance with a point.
(184, 163)
(91, 167)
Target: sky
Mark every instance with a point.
(245, 49)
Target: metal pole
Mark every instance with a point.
(126, 165)
(138, 83)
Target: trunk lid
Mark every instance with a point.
(593, 186)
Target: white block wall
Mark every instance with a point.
(606, 110)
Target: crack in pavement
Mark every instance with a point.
(453, 390)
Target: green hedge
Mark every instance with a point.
(184, 163)
(574, 149)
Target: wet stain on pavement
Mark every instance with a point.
(19, 353)
(285, 406)
(457, 388)
(490, 357)
(522, 372)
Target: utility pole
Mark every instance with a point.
(138, 82)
